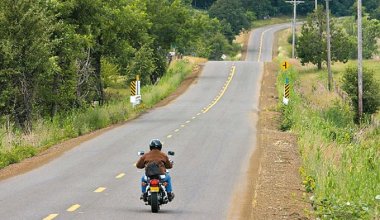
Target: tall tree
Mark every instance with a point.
(311, 45)
(25, 49)
(233, 13)
(371, 33)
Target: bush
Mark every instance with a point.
(290, 39)
(287, 120)
(16, 155)
(371, 92)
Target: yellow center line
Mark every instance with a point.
(222, 92)
(50, 217)
(120, 175)
(73, 208)
(100, 189)
(261, 43)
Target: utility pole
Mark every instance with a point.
(316, 5)
(328, 45)
(295, 3)
(360, 61)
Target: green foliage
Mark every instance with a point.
(371, 92)
(25, 49)
(341, 166)
(339, 116)
(142, 64)
(16, 155)
(233, 13)
(373, 8)
(200, 36)
(111, 75)
(287, 121)
(311, 45)
(16, 146)
(371, 32)
(218, 45)
(261, 8)
(57, 56)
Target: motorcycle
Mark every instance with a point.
(156, 194)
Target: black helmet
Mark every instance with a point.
(155, 144)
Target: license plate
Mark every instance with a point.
(154, 189)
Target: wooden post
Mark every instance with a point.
(328, 46)
(360, 62)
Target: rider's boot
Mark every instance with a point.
(170, 196)
(144, 197)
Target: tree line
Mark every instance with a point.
(56, 56)
(265, 8)
(312, 44)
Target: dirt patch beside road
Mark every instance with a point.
(279, 193)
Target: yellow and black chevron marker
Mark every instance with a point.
(287, 90)
(285, 98)
(133, 88)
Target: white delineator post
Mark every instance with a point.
(135, 98)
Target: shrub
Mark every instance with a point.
(371, 92)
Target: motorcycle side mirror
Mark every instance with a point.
(140, 153)
(171, 153)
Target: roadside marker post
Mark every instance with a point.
(285, 99)
(285, 66)
(135, 98)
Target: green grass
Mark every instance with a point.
(284, 49)
(339, 68)
(16, 146)
(341, 160)
(271, 21)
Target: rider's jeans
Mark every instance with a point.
(167, 179)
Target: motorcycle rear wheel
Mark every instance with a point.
(154, 202)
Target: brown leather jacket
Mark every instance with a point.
(155, 155)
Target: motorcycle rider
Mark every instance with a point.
(155, 155)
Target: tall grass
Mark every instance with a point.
(341, 161)
(16, 146)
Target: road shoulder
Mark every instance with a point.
(279, 193)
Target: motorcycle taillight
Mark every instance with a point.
(154, 182)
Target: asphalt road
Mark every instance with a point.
(211, 127)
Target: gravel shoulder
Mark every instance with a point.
(279, 193)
